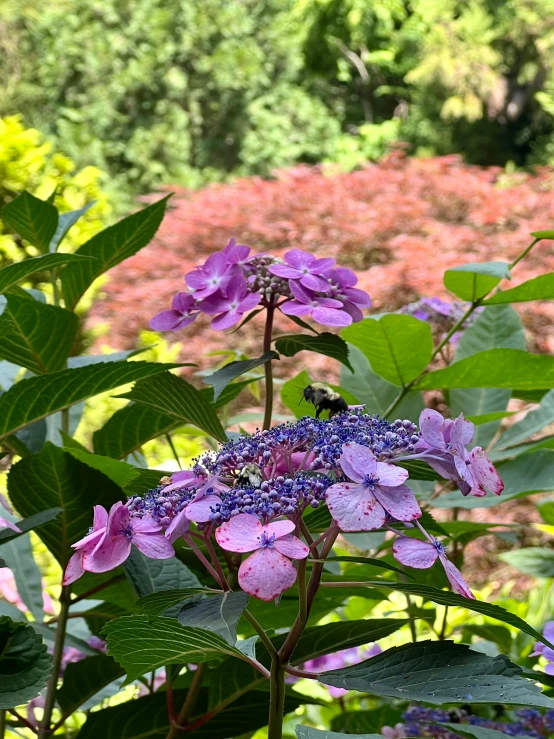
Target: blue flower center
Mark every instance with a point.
(439, 546)
(267, 541)
(370, 481)
(127, 531)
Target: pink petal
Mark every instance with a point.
(331, 317)
(399, 501)
(266, 574)
(90, 540)
(357, 461)
(111, 552)
(294, 308)
(414, 552)
(431, 425)
(291, 546)
(390, 475)
(155, 546)
(145, 525)
(118, 519)
(181, 480)
(178, 527)
(279, 528)
(100, 517)
(241, 534)
(459, 435)
(5, 524)
(485, 471)
(354, 508)
(200, 510)
(282, 270)
(170, 320)
(456, 579)
(300, 460)
(74, 569)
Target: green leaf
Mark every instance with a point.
(154, 575)
(473, 281)
(219, 614)
(29, 524)
(376, 393)
(507, 368)
(293, 399)
(533, 422)
(14, 273)
(419, 470)
(131, 427)
(141, 647)
(479, 732)
(119, 472)
(534, 561)
(26, 665)
(18, 556)
(30, 400)
(398, 347)
(156, 604)
(543, 234)
(65, 222)
(31, 218)
(437, 673)
(55, 478)
(326, 343)
(357, 721)
(110, 247)
(84, 679)
(539, 288)
(176, 397)
(222, 377)
(35, 335)
(489, 417)
(373, 562)
(306, 732)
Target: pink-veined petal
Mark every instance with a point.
(111, 552)
(485, 472)
(145, 525)
(178, 527)
(241, 534)
(414, 552)
(155, 546)
(399, 501)
(357, 461)
(74, 569)
(279, 528)
(456, 579)
(391, 475)
(291, 546)
(354, 508)
(331, 317)
(431, 425)
(100, 517)
(118, 519)
(200, 510)
(266, 574)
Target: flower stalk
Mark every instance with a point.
(268, 367)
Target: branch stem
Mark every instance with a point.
(268, 367)
(258, 628)
(188, 705)
(276, 700)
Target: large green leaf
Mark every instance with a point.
(35, 335)
(398, 347)
(293, 399)
(222, 377)
(497, 327)
(154, 575)
(328, 344)
(533, 423)
(119, 472)
(30, 400)
(176, 397)
(473, 281)
(110, 247)
(84, 679)
(379, 563)
(478, 732)
(18, 556)
(65, 222)
(306, 732)
(157, 603)
(539, 288)
(14, 273)
(26, 665)
(141, 646)
(534, 561)
(55, 478)
(371, 721)
(439, 672)
(29, 524)
(508, 368)
(31, 218)
(219, 614)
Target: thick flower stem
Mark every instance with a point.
(2, 724)
(276, 700)
(268, 367)
(44, 730)
(176, 727)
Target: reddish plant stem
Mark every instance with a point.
(268, 367)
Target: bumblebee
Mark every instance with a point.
(250, 476)
(324, 398)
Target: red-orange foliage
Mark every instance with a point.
(399, 224)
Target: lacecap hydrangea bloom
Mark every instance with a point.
(252, 495)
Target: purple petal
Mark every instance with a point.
(118, 519)
(301, 293)
(313, 282)
(111, 552)
(328, 303)
(456, 579)
(294, 308)
(249, 302)
(357, 461)
(390, 475)
(548, 631)
(241, 534)
(145, 525)
(74, 569)
(459, 435)
(170, 320)
(200, 510)
(331, 317)
(292, 547)
(155, 546)
(549, 669)
(100, 517)
(178, 527)
(431, 425)
(216, 303)
(415, 553)
(299, 259)
(354, 508)
(226, 320)
(399, 501)
(197, 279)
(183, 302)
(266, 574)
(353, 311)
(358, 297)
(279, 528)
(485, 472)
(282, 270)
(236, 288)
(216, 264)
(323, 266)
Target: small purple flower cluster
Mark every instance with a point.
(231, 283)
(541, 650)
(441, 315)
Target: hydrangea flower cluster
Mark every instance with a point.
(541, 650)
(441, 315)
(252, 494)
(232, 282)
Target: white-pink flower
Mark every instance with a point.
(269, 571)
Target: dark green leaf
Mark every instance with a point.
(141, 646)
(507, 368)
(219, 614)
(14, 273)
(154, 575)
(533, 422)
(439, 672)
(26, 665)
(29, 524)
(473, 281)
(534, 561)
(328, 344)
(119, 472)
(31, 218)
(54, 478)
(479, 732)
(306, 732)
(84, 679)
(65, 222)
(373, 562)
(222, 377)
(398, 347)
(110, 247)
(371, 722)
(156, 604)
(131, 427)
(30, 400)
(176, 397)
(36, 336)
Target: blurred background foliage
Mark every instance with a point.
(194, 91)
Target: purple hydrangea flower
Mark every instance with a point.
(327, 311)
(311, 272)
(541, 650)
(183, 312)
(237, 253)
(213, 275)
(231, 303)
